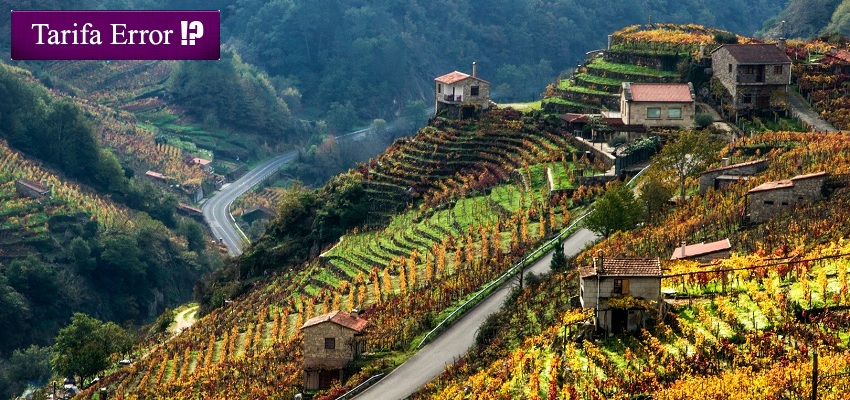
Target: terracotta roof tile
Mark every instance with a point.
(456, 76)
(841, 55)
(340, 318)
(764, 53)
(625, 267)
(155, 174)
(743, 164)
(696, 250)
(785, 183)
(661, 92)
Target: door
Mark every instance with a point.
(619, 320)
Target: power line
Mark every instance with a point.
(792, 261)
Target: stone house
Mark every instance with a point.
(755, 75)
(205, 165)
(838, 61)
(658, 104)
(625, 292)
(703, 252)
(457, 94)
(770, 198)
(26, 187)
(722, 176)
(331, 341)
(156, 176)
(258, 212)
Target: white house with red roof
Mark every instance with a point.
(622, 291)
(658, 104)
(461, 94)
(331, 341)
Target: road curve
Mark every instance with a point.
(454, 342)
(217, 208)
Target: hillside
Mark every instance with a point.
(753, 336)
(406, 267)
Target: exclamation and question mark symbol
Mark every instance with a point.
(191, 31)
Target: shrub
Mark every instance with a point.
(703, 119)
(618, 140)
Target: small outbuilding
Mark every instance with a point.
(28, 188)
(723, 176)
(770, 198)
(331, 341)
(624, 292)
(703, 252)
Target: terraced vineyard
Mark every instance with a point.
(24, 223)
(492, 204)
(743, 327)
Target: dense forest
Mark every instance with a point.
(376, 56)
(810, 18)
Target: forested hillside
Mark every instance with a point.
(809, 18)
(373, 57)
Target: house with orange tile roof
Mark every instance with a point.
(770, 198)
(461, 95)
(658, 104)
(331, 342)
(624, 292)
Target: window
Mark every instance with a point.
(746, 98)
(674, 113)
(653, 112)
(749, 69)
(768, 202)
(439, 88)
(473, 91)
(730, 68)
(621, 286)
(784, 203)
(330, 343)
(777, 69)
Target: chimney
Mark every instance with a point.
(684, 243)
(474, 70)
(724, 162)
(701, 51)
(354, 313)
(599, 266)
(610, 42)
(782, 42)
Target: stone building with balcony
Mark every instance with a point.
(624, 292)
(459, 95)
(756, 76)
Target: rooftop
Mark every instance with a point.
(624, 267)
(699, 249)
(154, 174)
(785, 183)
(841, 55)
(659, 92)
(200, 161)
(739, 165)
(34, 185)
(340, 318)
(456, 76)
(763, 53)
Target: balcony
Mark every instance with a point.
(448, 98)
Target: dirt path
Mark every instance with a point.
(801, 109)
(184, 319)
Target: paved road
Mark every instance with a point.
(453, 343)
(217, 208)
(801, 109)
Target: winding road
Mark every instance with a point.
(455, 341)
(217, 208)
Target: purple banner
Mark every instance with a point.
(115, 35)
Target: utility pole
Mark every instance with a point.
(815, 375)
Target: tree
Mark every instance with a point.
(559, 260)
(616, 210)
(687, 155)
(654, 194)
(83, 347)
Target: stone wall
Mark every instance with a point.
(763, 205)
(314, 343)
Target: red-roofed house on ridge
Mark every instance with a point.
(755, 75)
(460, 95)
(331, 341)
(770, 198)
(623, 291)
(658, 104)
